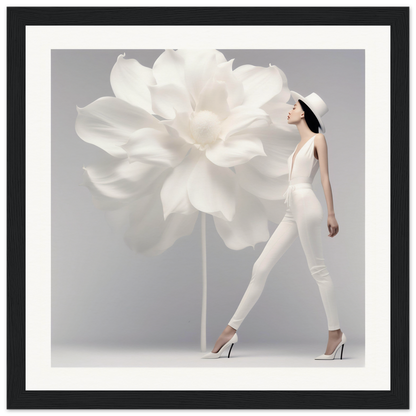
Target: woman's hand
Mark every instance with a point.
(332, 224)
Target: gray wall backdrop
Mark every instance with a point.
(102, 293)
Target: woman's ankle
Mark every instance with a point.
(230, 329)
(335, 333)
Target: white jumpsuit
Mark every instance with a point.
(303, 218)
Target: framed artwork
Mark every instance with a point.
(148, 153)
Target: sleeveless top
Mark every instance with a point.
(305, 164)
(304, 169)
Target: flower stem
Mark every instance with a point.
(204, 283)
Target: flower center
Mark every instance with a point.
(205, 127)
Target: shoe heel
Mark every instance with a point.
(342, 350)
(229, 352)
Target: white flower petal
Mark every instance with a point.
(129, 80)
(174, 193)
(169, 68)
(260, 84)
(240, 118)
(148, 233)
(170, 98)
(278, 112)
(175, 227)
(237, 149)
(278, 145)
(212, 189)
(284, 94)
(249, 225)
(275, 210)
(109, 121)
(156, 147)
(116, 182)
(200, 66)
(259, 185)
(213, 97)
(181, 124)
(235, 88)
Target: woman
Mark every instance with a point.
(303, 218)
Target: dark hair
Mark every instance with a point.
(310, 117)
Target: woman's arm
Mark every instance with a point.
(322, 150)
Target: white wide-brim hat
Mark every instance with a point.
(315, 103)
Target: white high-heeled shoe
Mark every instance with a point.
(217, 354)
(332, 356)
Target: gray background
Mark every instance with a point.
(105, 295)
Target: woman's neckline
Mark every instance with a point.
(294, 154)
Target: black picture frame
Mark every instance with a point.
(18, 18)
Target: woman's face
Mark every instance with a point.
(295, 114)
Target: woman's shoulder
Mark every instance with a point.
(320, 137)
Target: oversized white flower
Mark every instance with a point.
(190, 134)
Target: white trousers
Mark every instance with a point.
(303, 218)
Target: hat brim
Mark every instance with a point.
(296, 96)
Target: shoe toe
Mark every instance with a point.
(210, 355)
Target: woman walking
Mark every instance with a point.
(302, 219)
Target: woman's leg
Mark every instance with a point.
(282, 238)
(309, 214)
